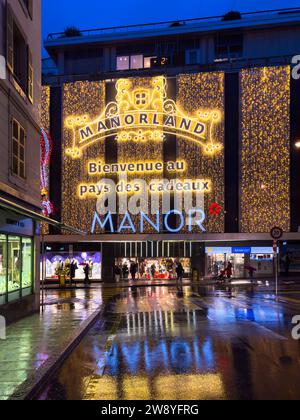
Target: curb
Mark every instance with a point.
(121, 285)
(34, 384)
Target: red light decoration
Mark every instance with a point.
(46, 151)
(215, 209)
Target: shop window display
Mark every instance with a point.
(3, 271)
(14, 263)
(16, 267)
(26, 263)
(58, 264)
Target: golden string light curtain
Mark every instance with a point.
(265, 149)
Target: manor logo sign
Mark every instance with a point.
(143, 114)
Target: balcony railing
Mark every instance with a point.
(166, 24)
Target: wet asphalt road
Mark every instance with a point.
(161, 343)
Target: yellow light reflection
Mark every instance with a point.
(101, 388)
(189, 387)
(169, 387)
(136, 388)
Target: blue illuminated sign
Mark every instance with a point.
(241, 250)
(193, 218)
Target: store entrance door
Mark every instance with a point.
(219, 262)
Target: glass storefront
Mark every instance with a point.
(16, 267)
(259, 258)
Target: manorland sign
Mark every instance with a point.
(140, 115)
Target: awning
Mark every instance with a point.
(9, 205)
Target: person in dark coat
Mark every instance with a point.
(86, 270)
(73, 269)
(118, 273)
(133, 270)
(153, 271)
(125, 271)
(179, 272)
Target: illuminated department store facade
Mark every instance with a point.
(187, 104)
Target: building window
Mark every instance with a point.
(123, 63)
(192, 57)
(148, 61)
(136, 62)
(16, 268)
(229, 46)
(19, 56)
(18, 150)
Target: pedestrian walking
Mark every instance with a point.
(133, 270)
(251, 271)
(229, 270)
(86, 270)
(125, 271)
(118, 273)
(179, 272)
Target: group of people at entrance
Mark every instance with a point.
(140, 271)
(123, 271)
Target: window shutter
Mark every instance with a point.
(30, 8)
(10, 39)
(30, 76)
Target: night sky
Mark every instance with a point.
(58, 14)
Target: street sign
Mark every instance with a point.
(276, 233)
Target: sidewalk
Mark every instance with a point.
(35, 340)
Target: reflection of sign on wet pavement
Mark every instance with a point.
(2, 328)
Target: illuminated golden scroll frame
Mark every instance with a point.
(143, 114)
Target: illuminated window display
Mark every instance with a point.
(60, 263)
(27, 267)
(16, 267)
(14, 263)
(3, 267)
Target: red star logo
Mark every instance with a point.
(215, 209)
